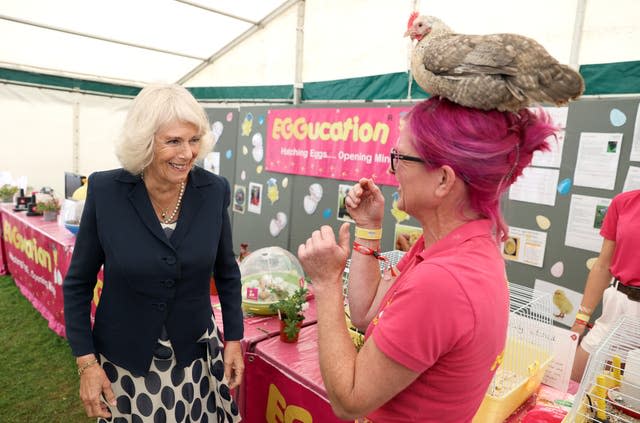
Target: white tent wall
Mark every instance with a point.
(611, 31)
(100, 123)
(45, 130)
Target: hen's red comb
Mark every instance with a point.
(412, 18)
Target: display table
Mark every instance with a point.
(37, 255)
(257, 329)
(283, 382)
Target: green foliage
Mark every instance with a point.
(38, 378)
(8, 191)
(51, 204)
(290, 308)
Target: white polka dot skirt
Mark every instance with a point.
(197, 393)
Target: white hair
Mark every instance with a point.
(157, 105)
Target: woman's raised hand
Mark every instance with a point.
(365, 204)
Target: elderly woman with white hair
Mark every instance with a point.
(160, 228)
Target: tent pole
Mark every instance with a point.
(576, 41)
(297, 84)
(75, 148)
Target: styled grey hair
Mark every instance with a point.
(157, 105)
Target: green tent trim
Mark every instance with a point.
(600, 79)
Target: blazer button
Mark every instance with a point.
(170, 260)
(169, 283)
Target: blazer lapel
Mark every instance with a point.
(191, 205)
(140, 200)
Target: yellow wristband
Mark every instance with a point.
(363, 233)
(583, 316)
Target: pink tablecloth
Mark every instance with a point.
(257, 329)
(283, 382)
(37, 255)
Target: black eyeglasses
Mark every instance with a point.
(395, 156)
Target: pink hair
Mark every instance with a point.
(487, 149)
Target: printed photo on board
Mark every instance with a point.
(239, 198)
(342, 213)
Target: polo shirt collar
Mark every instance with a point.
(457, 237)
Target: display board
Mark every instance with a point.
(283, 209)
(260, 200)
(553, 211)
(222, 159)
(596, 160)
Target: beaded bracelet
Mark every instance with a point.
(583, 323)
(86, 365)
(376, 254)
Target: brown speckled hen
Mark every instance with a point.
(499, 71)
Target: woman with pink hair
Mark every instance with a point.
(436, 324)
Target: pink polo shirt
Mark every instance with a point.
(622, 225)
(446, 318)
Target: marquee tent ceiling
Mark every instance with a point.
(125, 41)
(280, 44)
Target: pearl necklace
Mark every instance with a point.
(163, 213)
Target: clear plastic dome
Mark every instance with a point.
(268, 274)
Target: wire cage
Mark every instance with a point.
(610, 387)
(528, 352)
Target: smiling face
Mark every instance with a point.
(175, 148)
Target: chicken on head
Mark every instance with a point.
(506, 72)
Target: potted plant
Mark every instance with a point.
(289, 309)
(7, 192)
(49, 208)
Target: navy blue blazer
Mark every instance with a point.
(150, 280)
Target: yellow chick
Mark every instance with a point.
(247, 124)
(399, 215)
(272, 193)
(563, 303)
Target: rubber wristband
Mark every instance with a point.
(373, 234)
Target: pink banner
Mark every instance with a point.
(346, 144)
